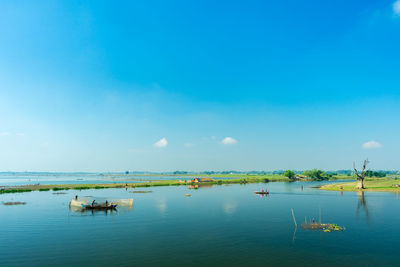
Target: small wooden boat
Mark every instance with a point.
(261, 192)
(82, 204)
(100, 207)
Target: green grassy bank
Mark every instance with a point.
(374, 184)
(241, 180)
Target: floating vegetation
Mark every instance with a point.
(60, 193)
(188, 195)
(314, 225)
(13, 203)
(44, 189)
(140, 192)
(325, 227)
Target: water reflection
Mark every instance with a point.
(197, 186)
(230, 207)
(162, 205)
(262, 195)
(362, 205)
(77, 210)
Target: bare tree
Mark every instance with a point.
(361, 176)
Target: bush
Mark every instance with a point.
(289, 174)
(378, 174)
(60, 188)
(44, 189)
(57, 188)
(315, 174)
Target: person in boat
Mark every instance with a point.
(76, 197)
(106, 203)
(93, 202)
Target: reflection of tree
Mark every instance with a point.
(362, 203)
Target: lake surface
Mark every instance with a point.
(46, 179)
(219, 225)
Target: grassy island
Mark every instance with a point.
(374, 184)
(218, 180)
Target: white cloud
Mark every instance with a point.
(396, 7)
(4, 134)
(371, 145)
(229, 141)
(161, 143)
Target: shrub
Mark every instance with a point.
(289, 174)
(81, 187)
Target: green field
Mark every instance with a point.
(374, 184)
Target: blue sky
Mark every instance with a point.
(199, 85)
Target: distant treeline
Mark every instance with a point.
(314, 172)
(371, 173)
(320, 175)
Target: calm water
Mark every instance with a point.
(25, 179)
(219, 225)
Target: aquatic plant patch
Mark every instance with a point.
(13, 203)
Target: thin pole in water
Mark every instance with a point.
(294, 219)
(320, 215)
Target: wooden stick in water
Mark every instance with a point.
(294, 219)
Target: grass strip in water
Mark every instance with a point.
(240, 180)
(44, 189)
(6, 191)
(81, 188)
(60, 188)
